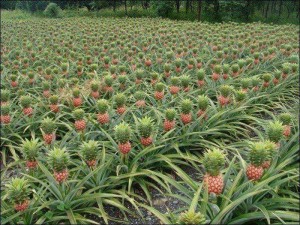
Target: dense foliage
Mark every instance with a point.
(96, 114)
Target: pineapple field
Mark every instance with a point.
(149, 121)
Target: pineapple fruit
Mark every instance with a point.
(58, 160)
(159, 91)
(286, 118)
(120, 100)
(79, 123)
(145, 128)
(54, 103)
(191, 217)
(102, 116)
(213, 161)
(200, 77)
(30, 150)
(174, 88)
(169, 122)
(26, 101)
(203, 102)
(275, 132)
(122, 134)
(186, 108)
(48, 127)
(140, 99)
(77, 101)
(5, 117)
(89, 152)
(224, 97)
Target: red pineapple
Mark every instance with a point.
(186, 107)
(174, 88)
(200, 77)
(54, 104)
(145, 128)
(30, 152)
(122, 134)
(25, 102)
(103, 116)
(140, 99)
(224, 97)
(120, 101)
(286, 119)
(89, 152)
(77, 101)
(217, 71)
(95, 90)
(5, 117)
(80, 123)
(48, 126)
(159, 91)
(169, 122)
(59, 159)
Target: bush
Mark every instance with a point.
(163, 8)
(52, 10)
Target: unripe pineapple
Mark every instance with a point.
(257, 156)
(58, 159)
(191, 217)
(213, 161)
(30, 151)
(245, 82)
(89, 152)
(102, 105)
(122, 134)
(48, 126)
(145, 128)
(18, 193)
(201, 74)
(275, 131)
(225, 90)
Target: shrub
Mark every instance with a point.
(52, 10)
(163, 8)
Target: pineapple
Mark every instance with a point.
(14, 82)
(122, 81)
(120, 100)
(54, 103)
(167, 69)
(48, 127)
(108, 80)
(122, 134)
(186, 107)
(255, 83)
(139, 74)
(267, 78)
(217, 71)
(5, 95)
(5, 117)
(159, 91)
(191, 217)
(275, 132)
(145, 128)
(18, 193)
(46, 89)
(203, 102)
(224, 97)
(185, 81)
(89, 152)
(277, 75)
(58, 159)
(235, 70)
(103, 116)
(80, 123)
(178, 65)
(174, 88)
(169, 122)
(95, 89)
(285, 70)
(26, 101)
(271, 150)
(286, 118)
(213, 161)
(140, 99)
(257, 156)
(240, 95)
(245, 83)
(225, 69)
(30, 150)
(77, 101)
(200, 77)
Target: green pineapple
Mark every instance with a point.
(191, 217)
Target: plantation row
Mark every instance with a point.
(92, 111)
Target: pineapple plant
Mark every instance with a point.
(167, 69)
(200, 77)
(122, 134)
(240, 95)
(186, 108)
(169, 122)
(108, 80)
(139, 74)
(275, 132)
(267, 78)
(18, 193)
(102, 116)
(185, 81)
(5, 117)
(277, 75)
(31, 78)
(285, 119)
(159, 91)
(120, 100)
(26, 101)
(58, 159)
(213, 161)
(199, 63)
(257, 156)
(255, 83)
(191, 217)
(30, 151)
(235, 70)
(225, 69)
(245, 83)
(79, 123)
(285, 70)
(145, 129)
(122, 81)
(178, 65)
(95, 89)
(77, 101)
(46, 89)
(217, 72)
(174, 88)
(154, 78)
(224, 97)
(203, 102)
(140, 99)
(54, 103)
(48, 127)
(89, 152)
(14, 82)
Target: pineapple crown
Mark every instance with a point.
(178, 62)
(76, 92)
(203, 102)
(235, 68)
(13, 77)
(94, 67)
(48, 71)
(62, 82)
(78, 114)
(186, 106)
(255, 81)
(89, 150)
(294, 67)
(200, 74)
(108, 79)
(122, 68)
(30, 149)
(245, 82)
(139, 73)
(58, 159)
(225, 90)
(240, 95)
(266, 77)
(167, 67)
(74, 81)
(275, 131)
(113, 69)
(241, 63)
(53, 99)
(277, 74)
(185, 80)
(226, 68)
(213, 161)
(95, 86)
(5, 109)
(170, 114)
(218, 69)
(18, 190)
(286, 68)
(191, 61)
(258, 153)
(123, 132)
(120, 99)
(31, 75)
(25, 101)
(5, 94)
(270, 147)
(102, 105)
(154, 76)
(285, 118)
(46, 85)
(145, 127)
(122, 79)
(175, 81)
(139, 95)
(159, 87)
(48, 125)
(191, 217)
